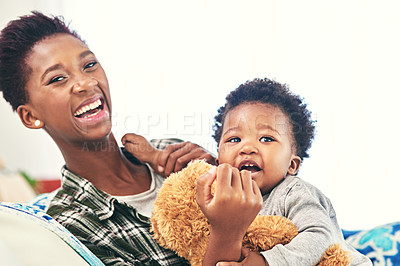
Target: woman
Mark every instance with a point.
(53, 81)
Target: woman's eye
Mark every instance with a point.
(90, 65)
(235, 139)
(56, 79)
(266, 139)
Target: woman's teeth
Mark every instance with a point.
(88, 107)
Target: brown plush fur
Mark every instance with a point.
(334, 255)
(179, 224)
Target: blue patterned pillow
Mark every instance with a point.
(381, 244)
(42, 201)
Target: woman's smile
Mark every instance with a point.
(92, 111)
(74, 86)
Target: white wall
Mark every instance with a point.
(171, 63)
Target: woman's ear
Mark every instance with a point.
(26, 117)
(294, 165)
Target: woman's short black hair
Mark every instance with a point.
(16, 41)
(271, 92)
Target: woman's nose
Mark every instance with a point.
(84, 84)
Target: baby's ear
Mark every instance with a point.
(27, 118)
(294, 165)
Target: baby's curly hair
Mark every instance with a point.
(271, 92)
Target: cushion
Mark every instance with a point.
(381, 244)
(28, 236)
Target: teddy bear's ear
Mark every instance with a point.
(294, 165)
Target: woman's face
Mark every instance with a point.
(68, 90)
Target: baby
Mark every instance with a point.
(263, 133)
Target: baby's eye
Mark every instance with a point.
(90, 65)
(56, 79)
(234, 139)
(266, 139)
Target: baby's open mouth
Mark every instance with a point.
(252, 167)
(90, 109)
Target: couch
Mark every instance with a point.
(29, 224)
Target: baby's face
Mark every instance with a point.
(258, 137)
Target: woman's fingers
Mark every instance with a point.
(139, 147)
(176, 156)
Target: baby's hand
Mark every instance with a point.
(139, 147)
(249, 258)
(235, 203)
(230, 211)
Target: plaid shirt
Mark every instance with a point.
(115, 232)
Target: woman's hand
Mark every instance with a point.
(139, 147)
(230, 211)
(165, 162)
(176, 156)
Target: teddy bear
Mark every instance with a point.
(178, 224)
